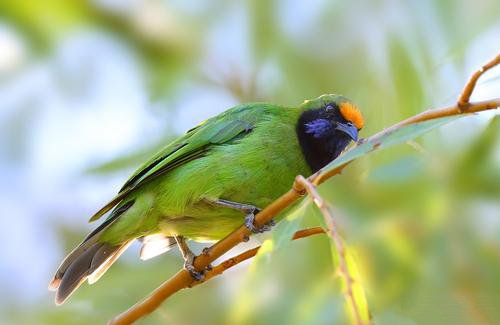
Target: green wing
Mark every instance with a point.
(221, 129)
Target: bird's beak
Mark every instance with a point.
(348, 129)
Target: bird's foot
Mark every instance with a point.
(250, 211)
(250, 223)
(189, 257)
(189, 266)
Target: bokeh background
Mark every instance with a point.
(89, 89)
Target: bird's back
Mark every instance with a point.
(254, 168)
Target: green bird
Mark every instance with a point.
(210, 180)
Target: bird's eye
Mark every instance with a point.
(329, 108)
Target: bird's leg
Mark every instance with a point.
(250, 211)
(189, 256)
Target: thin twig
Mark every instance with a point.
(463, 100)
(327, 212)
(233, 261)
(438, 113)
(182, 279)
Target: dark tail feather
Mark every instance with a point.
(97, 257)
(89, 260)
(103, 267)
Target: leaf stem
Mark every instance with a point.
(233, 261)
(327, 212)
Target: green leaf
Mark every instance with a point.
(283, 233)
(353, 273)
(476, 172)
(358, 301)
(399, 171)
(321, 304)
(398, 136)
(358, 291)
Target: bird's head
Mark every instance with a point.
(339, 111)
(326, 126)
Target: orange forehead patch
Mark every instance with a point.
(352, 114)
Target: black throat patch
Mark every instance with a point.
(319, 141)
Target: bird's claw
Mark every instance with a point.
(250, 224)
(195, 274)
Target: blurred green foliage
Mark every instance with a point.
(421, 219)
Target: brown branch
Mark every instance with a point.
(433, 114)
(182, 279)
(463, 100)
(229, 263)
(327, 212)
